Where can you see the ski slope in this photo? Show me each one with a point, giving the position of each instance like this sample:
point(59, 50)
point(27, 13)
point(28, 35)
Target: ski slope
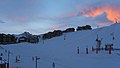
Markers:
point(64, 52)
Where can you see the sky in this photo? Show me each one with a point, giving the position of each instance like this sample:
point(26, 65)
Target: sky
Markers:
point(41, 16)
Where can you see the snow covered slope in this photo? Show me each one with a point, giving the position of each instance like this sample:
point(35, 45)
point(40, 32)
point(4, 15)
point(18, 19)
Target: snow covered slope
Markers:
point(64, 52)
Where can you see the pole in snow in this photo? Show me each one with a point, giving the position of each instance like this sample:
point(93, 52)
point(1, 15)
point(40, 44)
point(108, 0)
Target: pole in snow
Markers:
point(64, 36)
point(92, 49)
point(96, 50)
point(77, 50)
point(53, 65)
point(36, 59)
point(8, 59)
point(1, 57)
point(86, 50)
point(109, 50)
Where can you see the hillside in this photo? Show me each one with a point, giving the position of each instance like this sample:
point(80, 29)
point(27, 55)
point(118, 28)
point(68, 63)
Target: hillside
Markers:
point(64, 52)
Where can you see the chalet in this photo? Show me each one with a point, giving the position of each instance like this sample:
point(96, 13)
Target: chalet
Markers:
point(30, 39)
point(33, 39)
point(22, 39)
point(7, 39)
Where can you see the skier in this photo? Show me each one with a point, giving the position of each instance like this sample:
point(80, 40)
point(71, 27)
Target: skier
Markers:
point(53, 65)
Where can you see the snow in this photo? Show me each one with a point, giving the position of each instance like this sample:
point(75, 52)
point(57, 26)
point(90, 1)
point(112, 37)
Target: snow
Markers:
point(64, 52)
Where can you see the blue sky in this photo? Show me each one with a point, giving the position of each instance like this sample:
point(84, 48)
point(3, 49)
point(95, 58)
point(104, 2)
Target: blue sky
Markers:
point(40, 16)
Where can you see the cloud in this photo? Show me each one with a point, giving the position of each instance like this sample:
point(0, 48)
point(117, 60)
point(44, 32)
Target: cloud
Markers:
point(68, 15)
point(19, 18)
point(103, 23)
point(2, 21)
point(100, 13)
point(112, 12)
point(58, 25)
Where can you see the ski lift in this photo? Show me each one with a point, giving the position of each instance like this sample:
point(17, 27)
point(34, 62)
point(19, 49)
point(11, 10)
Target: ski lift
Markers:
point(108, 46)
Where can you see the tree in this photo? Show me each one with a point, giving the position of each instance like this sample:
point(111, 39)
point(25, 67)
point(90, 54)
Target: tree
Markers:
point(87, 27)
point(69, 30)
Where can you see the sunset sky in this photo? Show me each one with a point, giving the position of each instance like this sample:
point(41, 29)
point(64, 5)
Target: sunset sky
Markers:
point(40, 16)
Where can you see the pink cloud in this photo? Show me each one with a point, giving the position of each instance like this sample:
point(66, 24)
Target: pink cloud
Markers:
point(19, 18)
point(68, 15)
point(112, 12)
